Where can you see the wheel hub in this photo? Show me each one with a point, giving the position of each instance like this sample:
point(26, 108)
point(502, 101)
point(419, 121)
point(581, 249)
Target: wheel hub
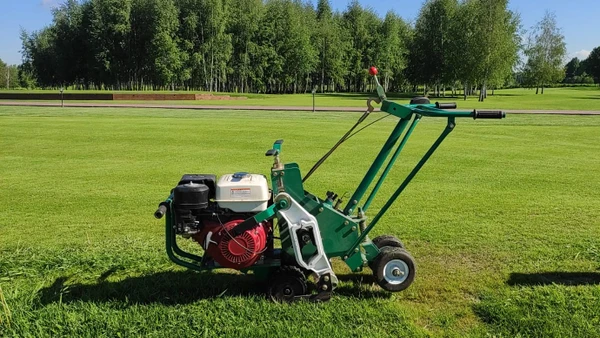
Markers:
point(395, 271)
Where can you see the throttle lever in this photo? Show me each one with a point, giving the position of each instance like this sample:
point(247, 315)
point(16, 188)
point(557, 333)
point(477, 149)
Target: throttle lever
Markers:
point(272, 152)
point(370, 107)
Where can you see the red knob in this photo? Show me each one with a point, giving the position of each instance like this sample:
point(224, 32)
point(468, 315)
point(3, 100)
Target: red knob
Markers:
point(373, 71)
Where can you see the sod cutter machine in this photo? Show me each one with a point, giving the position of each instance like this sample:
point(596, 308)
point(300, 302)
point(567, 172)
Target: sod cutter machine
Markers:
point(235, 218)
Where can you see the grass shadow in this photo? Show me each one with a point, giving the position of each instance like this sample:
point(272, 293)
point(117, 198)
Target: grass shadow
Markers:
point(548, 278)
point(168, 288)
point(360, 286)
point(184, 287)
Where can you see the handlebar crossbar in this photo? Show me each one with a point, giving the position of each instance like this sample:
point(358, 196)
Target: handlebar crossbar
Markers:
point(405, 111)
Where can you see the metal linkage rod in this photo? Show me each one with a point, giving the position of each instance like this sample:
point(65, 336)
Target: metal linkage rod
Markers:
point(377, 164)
point(173, 248)
point(411, 175)
point(391, 162)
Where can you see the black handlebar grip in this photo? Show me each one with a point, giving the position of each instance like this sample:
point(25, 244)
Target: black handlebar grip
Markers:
point(488, 114)
point(446, 105)
point(160, 212)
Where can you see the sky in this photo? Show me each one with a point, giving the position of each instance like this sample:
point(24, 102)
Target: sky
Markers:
point(576, 18)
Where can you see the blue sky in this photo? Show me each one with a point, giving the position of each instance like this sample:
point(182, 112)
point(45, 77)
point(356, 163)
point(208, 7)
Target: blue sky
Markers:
point(577, 18)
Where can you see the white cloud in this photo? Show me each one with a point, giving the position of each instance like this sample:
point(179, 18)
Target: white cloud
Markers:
point(50, 3)
point(581, 55)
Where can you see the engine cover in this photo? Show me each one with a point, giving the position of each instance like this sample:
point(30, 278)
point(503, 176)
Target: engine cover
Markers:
point(238, 252)
point(243, 192)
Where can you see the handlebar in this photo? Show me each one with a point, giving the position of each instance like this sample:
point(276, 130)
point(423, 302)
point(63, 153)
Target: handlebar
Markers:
point(488, 114)
point(424, 108)
point(160, 212)
point(437, 110)
point(447, 105)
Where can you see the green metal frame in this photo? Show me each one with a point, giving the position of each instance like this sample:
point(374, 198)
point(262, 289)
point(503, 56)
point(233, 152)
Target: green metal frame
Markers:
point(194, 262)
point(340, 229)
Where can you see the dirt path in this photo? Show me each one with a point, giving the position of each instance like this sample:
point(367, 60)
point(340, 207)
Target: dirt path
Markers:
point(263, 108)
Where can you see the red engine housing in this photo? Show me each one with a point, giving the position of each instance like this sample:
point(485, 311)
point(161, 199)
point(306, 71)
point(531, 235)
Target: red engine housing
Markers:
point(238, 252)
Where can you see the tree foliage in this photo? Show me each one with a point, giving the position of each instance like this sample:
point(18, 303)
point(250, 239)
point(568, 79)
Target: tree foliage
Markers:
point(576, 72)
point(546, 51)
point(331, 45)
point(9, 76)
point(572, 67)
point(429, 61)
point(393, 50)
point(474, 42)
point(269, 46)
point(498, 43)
point(593, 64)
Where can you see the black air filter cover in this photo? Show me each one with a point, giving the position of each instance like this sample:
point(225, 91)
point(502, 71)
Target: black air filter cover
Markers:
point(191, 196)
point(206, 179)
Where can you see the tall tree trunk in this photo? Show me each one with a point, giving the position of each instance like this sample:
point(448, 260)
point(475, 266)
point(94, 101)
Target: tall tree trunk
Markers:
point(323, 79)
point(205, 75)
point(212, 66)
point(465, 91)
point(537, 89)
point(542, 89)
point(323, 65)
point(482, 92)
point(386, 80)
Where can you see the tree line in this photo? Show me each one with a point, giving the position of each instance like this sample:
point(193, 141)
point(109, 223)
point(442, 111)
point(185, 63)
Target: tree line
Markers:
point(9, 76)
point(272, 46)
point(284, 46)
point(585, 71)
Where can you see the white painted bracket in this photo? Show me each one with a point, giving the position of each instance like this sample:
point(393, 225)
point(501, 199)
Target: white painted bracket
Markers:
point(298, 218)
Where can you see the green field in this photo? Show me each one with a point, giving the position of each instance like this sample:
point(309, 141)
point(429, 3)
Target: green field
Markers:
point(570, 98)
point(504, 223)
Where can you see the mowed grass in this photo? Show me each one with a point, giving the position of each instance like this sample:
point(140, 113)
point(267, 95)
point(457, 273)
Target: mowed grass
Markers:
point(504, 223)
point(568, 98)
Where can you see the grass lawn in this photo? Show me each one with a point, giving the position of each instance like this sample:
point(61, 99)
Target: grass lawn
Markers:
point(570, 98)
point(504, 223)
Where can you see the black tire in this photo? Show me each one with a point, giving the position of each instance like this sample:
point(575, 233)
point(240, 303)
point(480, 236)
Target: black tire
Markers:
point(420, 100)
point(391, 261)
point(387, 240)
point(383, 241)
point(286, 283)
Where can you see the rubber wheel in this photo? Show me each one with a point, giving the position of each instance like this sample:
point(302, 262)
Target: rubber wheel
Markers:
point(394, 269)
point(286, 283)
point(383, 241)
point(387, 240)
